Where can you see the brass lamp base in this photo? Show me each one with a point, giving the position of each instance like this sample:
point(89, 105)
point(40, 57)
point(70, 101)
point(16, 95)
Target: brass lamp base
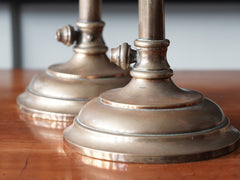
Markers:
point(127, 132)
point(60, 92)
point(150, 120)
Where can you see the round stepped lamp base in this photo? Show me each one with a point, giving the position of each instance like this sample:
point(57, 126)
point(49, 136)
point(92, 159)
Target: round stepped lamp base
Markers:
point(56, 98)
point(116, 144)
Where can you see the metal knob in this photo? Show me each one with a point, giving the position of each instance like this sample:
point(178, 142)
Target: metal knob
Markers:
point(67, 35)
point(123, 55)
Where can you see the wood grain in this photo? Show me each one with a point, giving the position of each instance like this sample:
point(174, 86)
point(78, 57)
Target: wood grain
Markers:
point(33, 149)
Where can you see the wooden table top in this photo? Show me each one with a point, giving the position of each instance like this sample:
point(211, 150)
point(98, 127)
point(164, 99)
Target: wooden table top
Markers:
point(33, 149)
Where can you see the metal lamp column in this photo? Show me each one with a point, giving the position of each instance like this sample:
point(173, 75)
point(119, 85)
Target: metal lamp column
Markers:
point(59, 92)
point(151, 120)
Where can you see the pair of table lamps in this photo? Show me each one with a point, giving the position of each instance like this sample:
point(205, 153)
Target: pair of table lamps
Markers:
point(149, 119)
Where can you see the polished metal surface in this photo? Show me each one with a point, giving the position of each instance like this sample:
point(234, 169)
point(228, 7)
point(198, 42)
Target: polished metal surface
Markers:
point(151, 26)
point(150, 120)
point(59, 92)
point(90, 10)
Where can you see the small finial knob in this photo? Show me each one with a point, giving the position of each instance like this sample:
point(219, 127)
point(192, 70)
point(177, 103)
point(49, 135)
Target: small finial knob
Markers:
point(67, 35)
point(123, 55)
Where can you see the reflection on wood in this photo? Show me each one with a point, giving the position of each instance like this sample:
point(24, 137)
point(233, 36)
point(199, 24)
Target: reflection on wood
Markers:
point(32, 149)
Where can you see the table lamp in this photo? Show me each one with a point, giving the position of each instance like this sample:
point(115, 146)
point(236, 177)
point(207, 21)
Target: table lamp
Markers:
point(59, 92)
point(150, 120)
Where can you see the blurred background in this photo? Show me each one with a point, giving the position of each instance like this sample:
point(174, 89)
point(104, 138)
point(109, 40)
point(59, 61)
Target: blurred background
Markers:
point(204, 34)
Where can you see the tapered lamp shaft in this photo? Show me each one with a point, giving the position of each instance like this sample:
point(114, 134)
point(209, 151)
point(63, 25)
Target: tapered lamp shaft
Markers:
point(90, 10)
point(151, 19)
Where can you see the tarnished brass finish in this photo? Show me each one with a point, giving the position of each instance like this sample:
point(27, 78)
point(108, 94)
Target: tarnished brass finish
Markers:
point(151, 20)
point(123, 56)
point(59, 92)
point(151, 120)
point(67, 35)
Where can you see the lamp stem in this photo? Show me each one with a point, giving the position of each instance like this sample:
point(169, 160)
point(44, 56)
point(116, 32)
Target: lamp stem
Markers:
point(90, 10)
point(151, 19)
